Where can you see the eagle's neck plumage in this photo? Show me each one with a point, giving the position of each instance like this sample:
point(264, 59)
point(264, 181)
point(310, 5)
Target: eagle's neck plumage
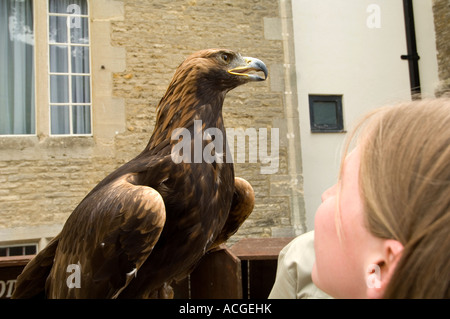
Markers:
point(187, 99)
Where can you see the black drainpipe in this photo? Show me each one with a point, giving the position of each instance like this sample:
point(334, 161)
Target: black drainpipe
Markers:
point(412, 56)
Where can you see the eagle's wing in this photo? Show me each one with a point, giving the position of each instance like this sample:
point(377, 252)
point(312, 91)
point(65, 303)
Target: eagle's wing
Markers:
point(241, 207)
point(121, 223)
point(31, 282)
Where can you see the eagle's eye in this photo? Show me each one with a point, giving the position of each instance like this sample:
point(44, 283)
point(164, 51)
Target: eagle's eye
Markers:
point(226, 58)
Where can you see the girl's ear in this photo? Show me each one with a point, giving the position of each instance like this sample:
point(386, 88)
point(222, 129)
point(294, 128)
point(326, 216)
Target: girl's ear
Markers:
point(380, 271)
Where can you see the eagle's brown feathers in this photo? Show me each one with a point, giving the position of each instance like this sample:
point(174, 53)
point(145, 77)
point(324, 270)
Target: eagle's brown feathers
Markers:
point(150, 221)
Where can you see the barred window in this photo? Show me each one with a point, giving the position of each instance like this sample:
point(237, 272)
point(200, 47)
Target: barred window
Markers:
point(69, 68)
point(18, 250)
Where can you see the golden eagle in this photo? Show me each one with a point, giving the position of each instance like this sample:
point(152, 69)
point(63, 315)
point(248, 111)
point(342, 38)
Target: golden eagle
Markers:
point(149, 222)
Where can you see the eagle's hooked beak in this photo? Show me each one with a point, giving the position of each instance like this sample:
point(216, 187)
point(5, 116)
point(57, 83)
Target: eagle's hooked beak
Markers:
point(251, 65)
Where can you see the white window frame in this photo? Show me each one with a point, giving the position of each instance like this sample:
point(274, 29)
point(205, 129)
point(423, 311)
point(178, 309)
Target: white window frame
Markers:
point(19, 245)
point(69, 74)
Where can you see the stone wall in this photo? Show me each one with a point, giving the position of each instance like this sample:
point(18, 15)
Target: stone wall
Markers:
point(441, 11)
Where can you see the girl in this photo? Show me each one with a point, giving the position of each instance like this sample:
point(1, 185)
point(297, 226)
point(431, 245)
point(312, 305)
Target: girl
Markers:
point(383, 231)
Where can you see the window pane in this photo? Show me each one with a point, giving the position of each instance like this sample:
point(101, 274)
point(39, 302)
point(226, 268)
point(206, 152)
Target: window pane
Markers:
point(60, 119)
point(58, 59)
point(57, 29)
point(80, 59)
point(81, 91)
point(59, 89)
point(81, 119)
point(72, 58)
point(79, 31)
point(68, 6)
point(17, 110)
point(3, 252)
point(325, 113)
point(30, 250)
point(16, 251)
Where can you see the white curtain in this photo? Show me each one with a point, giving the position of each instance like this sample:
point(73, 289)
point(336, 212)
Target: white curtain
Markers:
point(17, 111)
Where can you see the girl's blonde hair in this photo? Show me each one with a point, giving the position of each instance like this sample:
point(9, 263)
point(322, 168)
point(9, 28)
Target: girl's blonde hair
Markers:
point(405, 187)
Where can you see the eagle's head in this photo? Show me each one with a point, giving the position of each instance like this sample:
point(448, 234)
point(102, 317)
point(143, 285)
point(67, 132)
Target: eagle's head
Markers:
point(199, 86)
point(220, 70)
